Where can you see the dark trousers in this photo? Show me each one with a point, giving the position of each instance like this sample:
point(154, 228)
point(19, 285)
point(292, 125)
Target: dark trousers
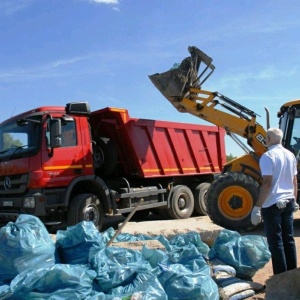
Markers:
point(279, 230)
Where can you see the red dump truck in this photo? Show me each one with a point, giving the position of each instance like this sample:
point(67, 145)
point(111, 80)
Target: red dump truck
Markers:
point(67, 164)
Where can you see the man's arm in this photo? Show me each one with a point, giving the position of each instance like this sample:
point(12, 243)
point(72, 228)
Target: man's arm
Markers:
point(264, 190)
point(295, 187)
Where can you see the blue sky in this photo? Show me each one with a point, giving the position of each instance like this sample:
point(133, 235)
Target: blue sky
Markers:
point(102, 51)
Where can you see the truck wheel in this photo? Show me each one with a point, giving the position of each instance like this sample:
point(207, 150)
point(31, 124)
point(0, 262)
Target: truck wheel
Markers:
point(86, 207)
point(108, 153)
point(182, 203)
point(230, 200)
point(200, 194)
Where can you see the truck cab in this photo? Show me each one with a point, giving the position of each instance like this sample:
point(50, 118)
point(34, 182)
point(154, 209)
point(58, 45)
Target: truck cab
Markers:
point(42, 151)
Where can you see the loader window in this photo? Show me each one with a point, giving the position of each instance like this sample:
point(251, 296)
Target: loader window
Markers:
point(295, 136)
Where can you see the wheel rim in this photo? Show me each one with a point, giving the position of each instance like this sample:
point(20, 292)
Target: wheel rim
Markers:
point(182, 202)
point(234, 202)
point(91, 214)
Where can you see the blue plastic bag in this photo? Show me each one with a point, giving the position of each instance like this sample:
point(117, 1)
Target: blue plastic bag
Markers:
point(124, 237)
point(155, 256)
point(128, 237)
point(24, 244)
point(190, 281)
point(145, 285)
point(192, 237)
point(5, 292)
point(60, 281)
point(247, 254)
point(116, 266)
point(184, 247)
point(182, 255)
point(74, 244)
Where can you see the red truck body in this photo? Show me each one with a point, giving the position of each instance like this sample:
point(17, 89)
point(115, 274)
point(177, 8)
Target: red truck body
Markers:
point(65, 164)
point(151, 148)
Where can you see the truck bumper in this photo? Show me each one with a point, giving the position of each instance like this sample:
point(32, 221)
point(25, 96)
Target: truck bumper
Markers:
point(12, 207)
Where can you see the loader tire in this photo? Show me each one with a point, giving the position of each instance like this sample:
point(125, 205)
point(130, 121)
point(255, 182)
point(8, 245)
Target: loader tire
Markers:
point(230, 200)
point(86, 207)
point(182, 203)
point(200, 194)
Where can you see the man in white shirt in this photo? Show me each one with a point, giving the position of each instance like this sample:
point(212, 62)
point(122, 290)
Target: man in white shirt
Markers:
point(277, 201)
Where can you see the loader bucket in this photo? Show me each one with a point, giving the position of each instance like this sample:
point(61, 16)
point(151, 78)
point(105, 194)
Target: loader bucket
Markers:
point(175, 83)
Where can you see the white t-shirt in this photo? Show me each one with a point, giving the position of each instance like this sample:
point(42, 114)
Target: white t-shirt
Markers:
point(281, 164)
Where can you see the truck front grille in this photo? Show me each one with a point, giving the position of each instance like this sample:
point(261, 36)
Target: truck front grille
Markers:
point(13, 184)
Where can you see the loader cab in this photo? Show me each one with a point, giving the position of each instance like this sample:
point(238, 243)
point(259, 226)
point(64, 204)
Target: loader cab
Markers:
point(289, 123)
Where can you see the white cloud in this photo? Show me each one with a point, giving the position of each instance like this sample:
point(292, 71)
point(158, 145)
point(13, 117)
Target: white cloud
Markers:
point(10, 7)
point(105, 1)
point(113, 3)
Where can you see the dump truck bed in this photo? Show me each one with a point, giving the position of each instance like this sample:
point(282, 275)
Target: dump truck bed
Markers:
point(152, 148)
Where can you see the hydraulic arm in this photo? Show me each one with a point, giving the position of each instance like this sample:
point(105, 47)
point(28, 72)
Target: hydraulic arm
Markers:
point(182, 87)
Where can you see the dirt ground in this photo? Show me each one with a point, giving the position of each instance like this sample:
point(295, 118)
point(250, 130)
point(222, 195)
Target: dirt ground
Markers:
point(264, 274)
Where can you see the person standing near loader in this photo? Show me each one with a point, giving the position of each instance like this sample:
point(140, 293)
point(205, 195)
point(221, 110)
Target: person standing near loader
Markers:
point(277, 202)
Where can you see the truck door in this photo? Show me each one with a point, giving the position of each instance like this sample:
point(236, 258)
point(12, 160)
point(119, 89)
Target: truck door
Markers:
point(61, 165)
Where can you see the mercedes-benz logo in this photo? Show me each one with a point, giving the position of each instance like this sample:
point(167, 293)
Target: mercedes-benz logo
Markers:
point(7, 183)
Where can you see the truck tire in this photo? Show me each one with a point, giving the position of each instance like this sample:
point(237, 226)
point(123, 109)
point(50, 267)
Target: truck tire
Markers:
point(230, 200)
point(108, 152)
point(200, 194)
point(182, 203)
point(85, 207)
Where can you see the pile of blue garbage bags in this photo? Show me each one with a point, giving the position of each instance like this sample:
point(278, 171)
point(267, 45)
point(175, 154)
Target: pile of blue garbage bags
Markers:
point(80, 265)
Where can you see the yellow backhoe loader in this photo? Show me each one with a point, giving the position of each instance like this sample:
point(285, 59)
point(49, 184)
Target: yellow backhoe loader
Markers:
point(231, 197)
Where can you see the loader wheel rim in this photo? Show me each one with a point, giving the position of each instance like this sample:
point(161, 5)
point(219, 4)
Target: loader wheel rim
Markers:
point(235, 202)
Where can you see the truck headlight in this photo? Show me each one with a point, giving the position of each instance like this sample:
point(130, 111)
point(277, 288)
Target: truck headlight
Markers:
point(29, 202)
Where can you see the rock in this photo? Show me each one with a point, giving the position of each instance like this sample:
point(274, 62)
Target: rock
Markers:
point(284, 286)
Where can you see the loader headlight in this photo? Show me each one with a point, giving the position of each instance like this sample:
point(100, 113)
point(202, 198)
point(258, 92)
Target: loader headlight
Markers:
point(29, 202)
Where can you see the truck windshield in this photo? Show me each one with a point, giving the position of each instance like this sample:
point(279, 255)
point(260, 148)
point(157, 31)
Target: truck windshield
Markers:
point(20, 138)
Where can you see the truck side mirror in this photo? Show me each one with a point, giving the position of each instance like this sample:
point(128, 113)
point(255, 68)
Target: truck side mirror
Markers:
point(55, 133)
